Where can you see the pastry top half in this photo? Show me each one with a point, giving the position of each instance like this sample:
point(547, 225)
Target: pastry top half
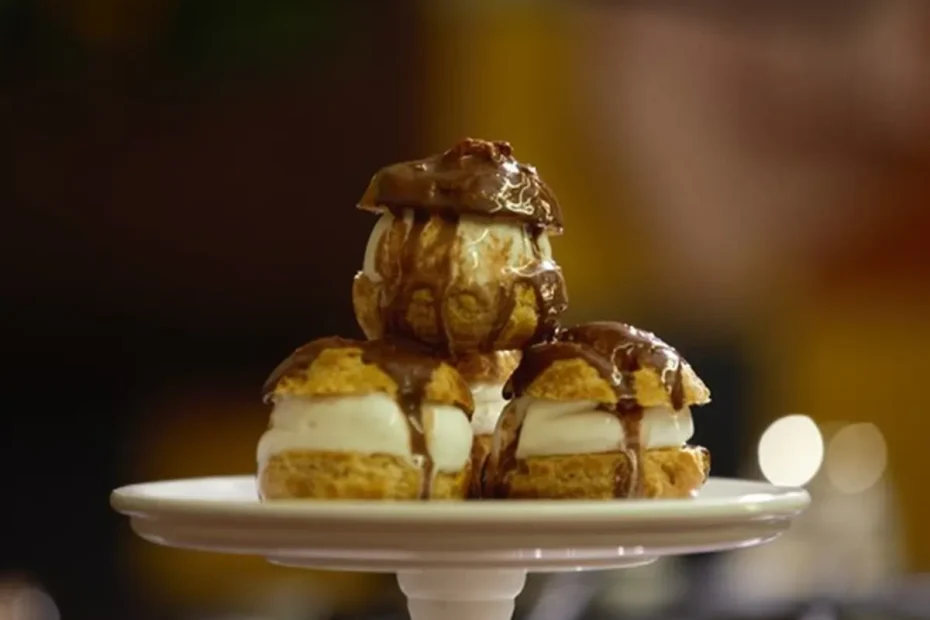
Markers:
point(339, 367)
point(608, 362)
point(474, 177)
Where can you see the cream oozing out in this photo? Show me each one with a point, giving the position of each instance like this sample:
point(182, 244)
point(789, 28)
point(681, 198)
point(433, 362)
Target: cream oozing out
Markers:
point(368, 424)
point(489, 403)
point(551, 428)
point(483, 246)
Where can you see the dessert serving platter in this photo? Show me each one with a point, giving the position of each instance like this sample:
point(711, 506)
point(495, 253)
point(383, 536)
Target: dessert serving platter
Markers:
point(456, 559)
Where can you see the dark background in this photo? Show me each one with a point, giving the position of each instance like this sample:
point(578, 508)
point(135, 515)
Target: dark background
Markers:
point(177, 182)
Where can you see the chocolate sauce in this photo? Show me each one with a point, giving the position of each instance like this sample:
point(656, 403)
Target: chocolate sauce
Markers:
point(421, 266)
point(544, 276)
point(408, 364)
point(474, 176)
point(616, 351)
point(506, 463)
point(631, 419)
point(510, 425)
point(425, 262)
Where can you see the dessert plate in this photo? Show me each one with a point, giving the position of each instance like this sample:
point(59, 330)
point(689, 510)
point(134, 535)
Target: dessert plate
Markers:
point(456, 559)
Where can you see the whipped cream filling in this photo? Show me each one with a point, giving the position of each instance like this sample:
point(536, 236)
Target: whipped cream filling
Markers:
point(489, 403)
point(369, 424)
point(553, 428)
point(483, 247)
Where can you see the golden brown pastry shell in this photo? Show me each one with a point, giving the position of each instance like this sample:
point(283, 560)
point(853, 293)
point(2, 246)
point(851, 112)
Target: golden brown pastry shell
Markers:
point(576, 379)
point(344, 372)
point(464, 321)
point(494, 368)
point(668, 473)
point(305, 474)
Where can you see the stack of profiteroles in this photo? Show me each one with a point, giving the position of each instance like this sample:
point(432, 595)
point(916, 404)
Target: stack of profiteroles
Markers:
point(467, 386)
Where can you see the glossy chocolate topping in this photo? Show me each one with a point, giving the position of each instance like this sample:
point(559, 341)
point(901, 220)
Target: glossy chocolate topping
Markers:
point(616, 351)
point(474, 177)
point(407, 364)
point(414, 265)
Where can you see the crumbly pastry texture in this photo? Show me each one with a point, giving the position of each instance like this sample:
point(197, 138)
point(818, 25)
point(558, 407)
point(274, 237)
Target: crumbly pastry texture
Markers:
point(343, 371)
point(668, 473)
point(299, 474)
point(576, 379)
point(464, 320)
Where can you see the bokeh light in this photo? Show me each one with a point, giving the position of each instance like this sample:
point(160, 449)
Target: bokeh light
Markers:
point(22, 600)
point(856, 458)
point(791, 451)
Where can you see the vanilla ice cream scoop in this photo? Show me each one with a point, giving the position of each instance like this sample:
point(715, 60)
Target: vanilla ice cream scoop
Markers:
point(460, 257)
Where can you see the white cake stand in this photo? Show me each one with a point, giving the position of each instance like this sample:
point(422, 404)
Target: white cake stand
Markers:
point(456, 560)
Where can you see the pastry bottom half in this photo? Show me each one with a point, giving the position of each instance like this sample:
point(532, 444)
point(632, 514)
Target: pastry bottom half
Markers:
point(304, 474)
point(667, 473)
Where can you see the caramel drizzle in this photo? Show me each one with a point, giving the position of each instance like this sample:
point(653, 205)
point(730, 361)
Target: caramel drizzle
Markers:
point(617, 351)
point(406, 364)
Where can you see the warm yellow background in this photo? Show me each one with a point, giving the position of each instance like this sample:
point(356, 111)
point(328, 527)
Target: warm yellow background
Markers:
point(851, 353)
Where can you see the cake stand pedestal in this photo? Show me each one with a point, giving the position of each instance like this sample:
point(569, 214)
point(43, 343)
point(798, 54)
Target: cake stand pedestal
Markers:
point(456, 560)
point(461, 594)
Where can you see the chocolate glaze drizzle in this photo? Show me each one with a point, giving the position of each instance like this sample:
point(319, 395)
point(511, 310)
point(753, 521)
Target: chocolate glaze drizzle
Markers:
point(406, 363)
point(474, 176)
point(423, 261)
point(616, 351)
point(420, 266)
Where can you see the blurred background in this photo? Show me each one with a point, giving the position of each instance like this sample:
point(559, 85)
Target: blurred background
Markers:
point(177, 184)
